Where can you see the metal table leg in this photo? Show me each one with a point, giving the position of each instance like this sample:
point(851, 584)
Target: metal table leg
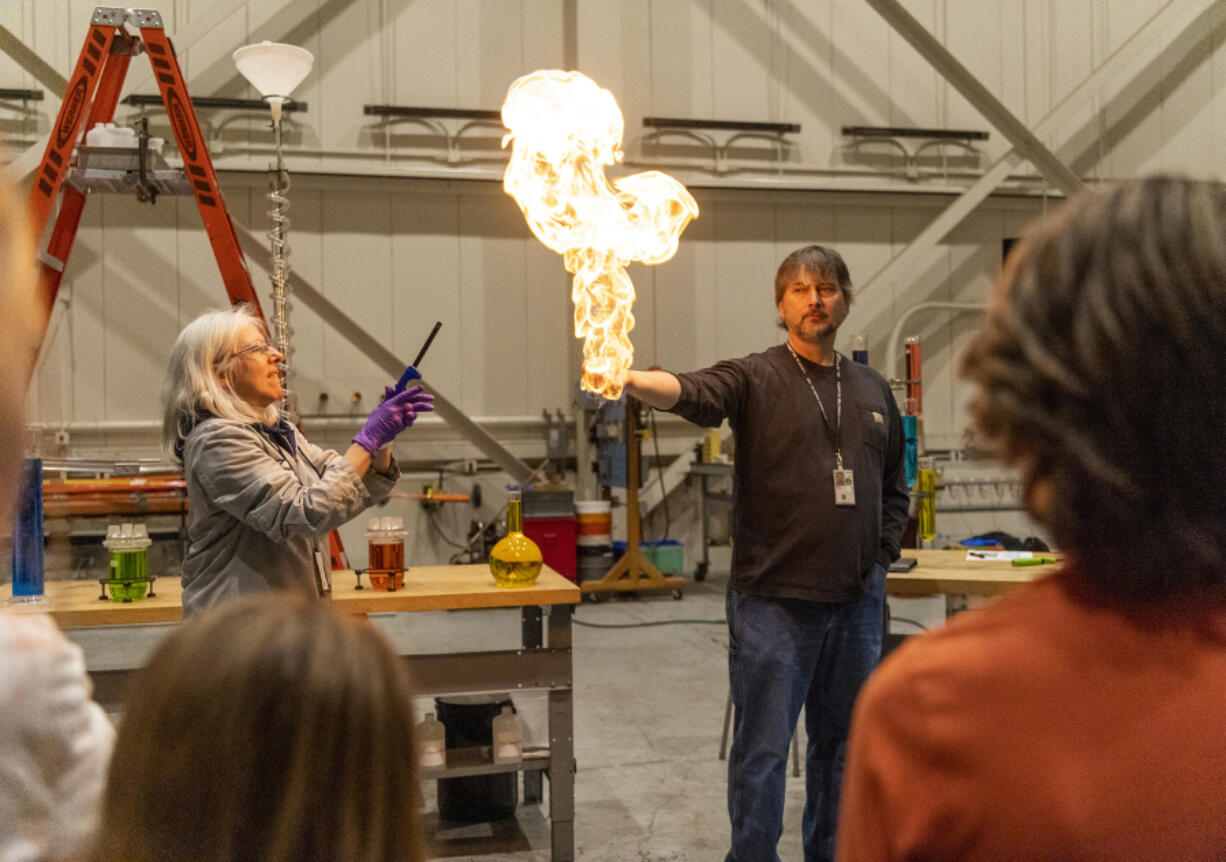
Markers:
point(561, 745)
point(532, 639)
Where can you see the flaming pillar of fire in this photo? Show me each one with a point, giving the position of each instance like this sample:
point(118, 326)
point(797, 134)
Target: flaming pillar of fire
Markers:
point(564, 131)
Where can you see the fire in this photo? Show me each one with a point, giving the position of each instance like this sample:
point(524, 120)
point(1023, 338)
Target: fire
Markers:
point(564, 131)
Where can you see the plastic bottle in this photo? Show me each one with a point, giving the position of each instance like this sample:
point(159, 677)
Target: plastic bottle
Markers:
point(508, 740)
point(431, 742)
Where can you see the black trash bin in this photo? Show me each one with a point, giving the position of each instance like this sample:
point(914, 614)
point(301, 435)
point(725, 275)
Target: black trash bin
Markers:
point(469, 722)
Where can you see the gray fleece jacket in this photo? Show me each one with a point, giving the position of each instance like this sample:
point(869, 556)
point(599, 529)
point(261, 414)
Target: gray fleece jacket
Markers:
point(258, 516)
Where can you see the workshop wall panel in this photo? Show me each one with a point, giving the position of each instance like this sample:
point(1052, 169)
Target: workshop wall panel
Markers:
point(426, 286)
point(402, 247)
point(493, 309)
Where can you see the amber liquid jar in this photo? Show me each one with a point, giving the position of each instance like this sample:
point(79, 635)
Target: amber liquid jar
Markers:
point(386, 556)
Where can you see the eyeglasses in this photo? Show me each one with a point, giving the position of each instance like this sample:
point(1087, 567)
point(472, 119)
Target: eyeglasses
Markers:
point(261, 347)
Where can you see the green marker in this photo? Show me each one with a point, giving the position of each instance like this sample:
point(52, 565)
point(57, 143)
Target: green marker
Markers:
point(1034, 561)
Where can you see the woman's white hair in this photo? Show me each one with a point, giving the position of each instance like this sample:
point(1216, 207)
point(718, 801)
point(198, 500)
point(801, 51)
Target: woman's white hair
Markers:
point(198, 377)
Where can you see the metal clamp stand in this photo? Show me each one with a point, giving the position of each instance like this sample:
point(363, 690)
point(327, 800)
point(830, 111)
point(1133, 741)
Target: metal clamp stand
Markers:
point(633, 571)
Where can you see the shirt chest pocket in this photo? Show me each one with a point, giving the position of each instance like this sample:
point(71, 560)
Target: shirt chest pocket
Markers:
point(873, 419)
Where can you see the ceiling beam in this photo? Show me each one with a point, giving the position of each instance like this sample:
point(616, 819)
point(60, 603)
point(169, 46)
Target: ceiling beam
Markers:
point(388, 362)
point(1132, 62)
point(30, 60)
point(1024, 141)
point(187, 36)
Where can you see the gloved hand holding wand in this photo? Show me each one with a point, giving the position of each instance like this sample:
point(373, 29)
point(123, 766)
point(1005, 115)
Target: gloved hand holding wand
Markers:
point(397, 412)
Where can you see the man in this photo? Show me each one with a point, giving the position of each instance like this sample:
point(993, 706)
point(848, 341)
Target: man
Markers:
point(1081, 717)
point(821, 502)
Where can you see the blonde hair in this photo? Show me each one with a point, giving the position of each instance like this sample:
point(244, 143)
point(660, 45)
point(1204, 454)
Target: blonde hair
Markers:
point(19, 307)
point(197, 377)
point(270, 728)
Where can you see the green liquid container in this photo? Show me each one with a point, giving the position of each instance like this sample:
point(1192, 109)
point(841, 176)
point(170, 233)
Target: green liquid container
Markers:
point(516, 560)
point(128, 572)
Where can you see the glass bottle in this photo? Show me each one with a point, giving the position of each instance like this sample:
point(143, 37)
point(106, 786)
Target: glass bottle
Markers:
point(28, 537)
point(128, 564)
point(914, 365)
point(925, 489)
point(859, 349)
point(516, 560)
point(385, 553)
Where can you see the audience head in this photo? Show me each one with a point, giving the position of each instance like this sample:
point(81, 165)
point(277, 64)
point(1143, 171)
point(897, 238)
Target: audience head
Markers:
point(269, 729)
point(1101, 372)
point(20, 311)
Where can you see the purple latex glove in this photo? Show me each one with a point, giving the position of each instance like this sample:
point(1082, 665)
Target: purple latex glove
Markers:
point(397, 412)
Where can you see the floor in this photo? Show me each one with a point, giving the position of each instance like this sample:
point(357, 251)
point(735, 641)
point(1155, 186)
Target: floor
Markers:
point(650, 688)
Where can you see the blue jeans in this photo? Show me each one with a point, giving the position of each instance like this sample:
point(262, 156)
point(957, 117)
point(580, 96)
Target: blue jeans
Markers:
point(784, 654)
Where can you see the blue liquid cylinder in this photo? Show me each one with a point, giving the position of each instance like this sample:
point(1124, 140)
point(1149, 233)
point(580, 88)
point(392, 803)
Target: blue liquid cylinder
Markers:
point(859, 349)
point(28, 533)
point(911, 460)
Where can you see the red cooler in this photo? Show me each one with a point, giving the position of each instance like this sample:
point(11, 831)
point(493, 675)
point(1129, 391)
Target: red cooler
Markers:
point(550, 522)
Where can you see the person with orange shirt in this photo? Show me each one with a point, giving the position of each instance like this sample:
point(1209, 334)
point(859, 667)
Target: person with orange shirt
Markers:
point(1081, 717)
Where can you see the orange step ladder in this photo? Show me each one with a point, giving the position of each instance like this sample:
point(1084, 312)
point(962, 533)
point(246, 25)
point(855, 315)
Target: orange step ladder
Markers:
point(91, 97)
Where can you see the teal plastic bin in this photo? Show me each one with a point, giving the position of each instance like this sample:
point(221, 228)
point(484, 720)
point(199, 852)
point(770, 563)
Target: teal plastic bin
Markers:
point(668, 555)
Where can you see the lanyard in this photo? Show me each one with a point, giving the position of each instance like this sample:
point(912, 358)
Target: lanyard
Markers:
point(838, 390)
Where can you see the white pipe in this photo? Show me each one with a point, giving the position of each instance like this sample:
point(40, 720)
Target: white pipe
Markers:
point(891, 356)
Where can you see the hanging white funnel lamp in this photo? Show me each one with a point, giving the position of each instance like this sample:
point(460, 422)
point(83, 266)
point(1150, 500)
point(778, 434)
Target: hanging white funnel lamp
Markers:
point(275, 69)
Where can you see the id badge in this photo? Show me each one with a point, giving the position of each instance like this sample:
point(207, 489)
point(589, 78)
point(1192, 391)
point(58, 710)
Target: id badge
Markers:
point(844, 488)
point(323, 574)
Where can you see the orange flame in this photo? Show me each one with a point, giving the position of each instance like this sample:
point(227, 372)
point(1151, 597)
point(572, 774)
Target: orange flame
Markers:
point(565, 130)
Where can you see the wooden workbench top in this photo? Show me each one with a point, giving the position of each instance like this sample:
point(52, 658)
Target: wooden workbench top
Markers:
point(426, 588)
point(952, 573)
point(432, 588)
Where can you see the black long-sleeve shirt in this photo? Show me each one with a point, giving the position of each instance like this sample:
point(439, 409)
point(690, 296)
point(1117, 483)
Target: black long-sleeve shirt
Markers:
point(789, 538)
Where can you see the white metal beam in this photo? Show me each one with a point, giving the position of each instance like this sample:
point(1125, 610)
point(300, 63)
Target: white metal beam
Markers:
point(1023, 140)
point(392, 365)
point(1190, 19)
point(20, 168)
point(30, 60)
point(287, 18)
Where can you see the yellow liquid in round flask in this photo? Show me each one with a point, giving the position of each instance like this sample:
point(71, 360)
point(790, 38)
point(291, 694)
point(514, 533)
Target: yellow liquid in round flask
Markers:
point(516, 560)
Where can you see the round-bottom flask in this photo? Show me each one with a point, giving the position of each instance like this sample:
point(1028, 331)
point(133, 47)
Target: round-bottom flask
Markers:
point(516, 560)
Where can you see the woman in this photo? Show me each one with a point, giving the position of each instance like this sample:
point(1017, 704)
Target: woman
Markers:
point(261, 498)
point(270, 730)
